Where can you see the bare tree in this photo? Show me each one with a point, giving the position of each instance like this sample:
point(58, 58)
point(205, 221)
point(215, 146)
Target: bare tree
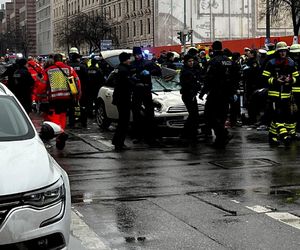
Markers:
point(83, 28)
point(289, 6)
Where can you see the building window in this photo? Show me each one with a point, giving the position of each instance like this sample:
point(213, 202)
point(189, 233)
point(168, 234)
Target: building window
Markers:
point(141, 4)
point(127, 28)
point(127, 6)
point(115, 11)
point(134, 28)
point(141, 27)
point(120, 10)
point(133, 6)
point(148, 26)
point(148, 3)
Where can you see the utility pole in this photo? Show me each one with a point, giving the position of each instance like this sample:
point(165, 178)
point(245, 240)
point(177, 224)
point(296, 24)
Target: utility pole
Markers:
point(267, 21)
point(191, 13)
point(184, 28)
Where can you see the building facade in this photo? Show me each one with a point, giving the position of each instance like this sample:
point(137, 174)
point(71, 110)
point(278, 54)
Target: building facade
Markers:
point(44, 28)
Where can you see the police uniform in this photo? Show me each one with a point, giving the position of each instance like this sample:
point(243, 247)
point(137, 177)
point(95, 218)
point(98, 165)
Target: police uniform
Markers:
point(219, 88)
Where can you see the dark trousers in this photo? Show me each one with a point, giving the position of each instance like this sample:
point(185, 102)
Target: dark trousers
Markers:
point(216, 110)
point(190, 129)
point(143, 114)
point(82, 115)
point(123, 124)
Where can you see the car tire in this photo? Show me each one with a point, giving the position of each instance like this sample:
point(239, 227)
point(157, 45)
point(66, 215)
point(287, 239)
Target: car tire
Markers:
point(101, 117)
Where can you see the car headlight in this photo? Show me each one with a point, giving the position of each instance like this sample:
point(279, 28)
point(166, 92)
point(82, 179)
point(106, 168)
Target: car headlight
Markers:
point(157, 106)
point(46, 196)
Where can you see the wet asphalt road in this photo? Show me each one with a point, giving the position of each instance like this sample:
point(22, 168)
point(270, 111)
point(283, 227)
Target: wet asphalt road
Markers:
point(184, 197)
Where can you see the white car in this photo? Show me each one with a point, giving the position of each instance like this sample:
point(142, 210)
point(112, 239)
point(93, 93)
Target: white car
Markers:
point(169, 109)
point(35, 201)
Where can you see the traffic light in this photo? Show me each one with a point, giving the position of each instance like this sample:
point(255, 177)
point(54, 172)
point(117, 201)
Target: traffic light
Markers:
point(180, 36)
point(189, 35)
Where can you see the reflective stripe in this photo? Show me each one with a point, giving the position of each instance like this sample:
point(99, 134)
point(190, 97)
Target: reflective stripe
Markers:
point(266, 73)
point(273, 93)
point(295, 74)
point(296, 89)
point(271, 79)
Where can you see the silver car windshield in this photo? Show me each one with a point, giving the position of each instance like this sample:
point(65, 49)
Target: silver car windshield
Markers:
point(14, 125)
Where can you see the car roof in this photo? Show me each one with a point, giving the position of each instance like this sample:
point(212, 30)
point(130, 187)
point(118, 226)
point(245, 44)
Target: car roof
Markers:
point(115, 52)
point(4, 90)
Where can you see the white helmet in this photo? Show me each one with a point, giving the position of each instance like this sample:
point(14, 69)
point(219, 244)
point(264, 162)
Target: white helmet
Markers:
point(74, 50)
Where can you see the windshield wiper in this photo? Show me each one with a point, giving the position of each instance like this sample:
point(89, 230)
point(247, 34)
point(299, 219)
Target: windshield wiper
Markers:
point(164, 87)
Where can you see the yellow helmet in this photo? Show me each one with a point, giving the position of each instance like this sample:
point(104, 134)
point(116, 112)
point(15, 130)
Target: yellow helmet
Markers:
point(295, 48)
point(281, 46)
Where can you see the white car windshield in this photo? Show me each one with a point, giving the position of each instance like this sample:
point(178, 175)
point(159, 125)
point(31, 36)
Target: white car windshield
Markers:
point(14, 125)
point(160, 84)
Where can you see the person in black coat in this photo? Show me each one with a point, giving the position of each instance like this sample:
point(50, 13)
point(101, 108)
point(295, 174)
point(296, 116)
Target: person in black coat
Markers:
point(23, 85)
point(142, 71)
point(122, 99)
point(95, 82)
point(219, 89)
point(190, 86)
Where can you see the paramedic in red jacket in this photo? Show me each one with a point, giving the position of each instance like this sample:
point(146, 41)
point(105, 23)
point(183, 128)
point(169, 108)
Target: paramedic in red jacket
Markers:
point(55, 97)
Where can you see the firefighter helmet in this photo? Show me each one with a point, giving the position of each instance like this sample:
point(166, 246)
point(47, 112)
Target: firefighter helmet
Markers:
point(295, 48)
point(74, 50)
point(281, 46)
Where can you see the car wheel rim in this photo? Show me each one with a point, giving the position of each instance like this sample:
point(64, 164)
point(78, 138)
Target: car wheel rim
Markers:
point(100, 115)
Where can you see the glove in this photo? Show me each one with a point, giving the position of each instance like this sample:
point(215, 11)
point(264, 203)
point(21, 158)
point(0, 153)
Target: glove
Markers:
point(34, 106)
point(235, 98)
point(145, 73)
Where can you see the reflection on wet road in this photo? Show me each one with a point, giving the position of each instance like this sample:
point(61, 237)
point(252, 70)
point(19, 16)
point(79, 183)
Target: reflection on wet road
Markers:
point(178, 197)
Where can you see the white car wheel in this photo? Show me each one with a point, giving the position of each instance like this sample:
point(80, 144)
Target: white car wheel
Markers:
point(101, 117)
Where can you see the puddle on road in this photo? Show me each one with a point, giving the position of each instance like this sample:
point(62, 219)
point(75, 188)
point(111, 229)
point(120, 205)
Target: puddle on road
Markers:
point(287, 196)
point(245, 163)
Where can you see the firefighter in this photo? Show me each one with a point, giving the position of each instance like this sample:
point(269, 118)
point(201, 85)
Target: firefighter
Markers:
point(95, 82)
point(295, 55)
point(82, 72)
point(219, 89)
point(281, 75)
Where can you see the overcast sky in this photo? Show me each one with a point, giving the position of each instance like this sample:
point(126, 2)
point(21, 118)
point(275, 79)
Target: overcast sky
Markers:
point(3, 1)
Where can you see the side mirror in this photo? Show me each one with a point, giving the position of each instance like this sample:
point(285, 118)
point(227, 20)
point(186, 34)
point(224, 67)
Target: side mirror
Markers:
point(49, 130)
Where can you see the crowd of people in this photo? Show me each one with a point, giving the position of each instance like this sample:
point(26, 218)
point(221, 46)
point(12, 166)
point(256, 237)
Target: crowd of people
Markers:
point(264, 82)
point(259, 88)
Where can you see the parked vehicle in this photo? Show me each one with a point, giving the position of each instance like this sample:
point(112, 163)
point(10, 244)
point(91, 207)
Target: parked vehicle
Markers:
point(170, 111)
point(35, 201)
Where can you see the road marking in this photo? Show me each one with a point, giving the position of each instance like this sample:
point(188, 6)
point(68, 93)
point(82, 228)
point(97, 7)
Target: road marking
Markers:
point(286, 218)
point(89, 239)
point(106, 143)
point(235, 201)
point(259, 209)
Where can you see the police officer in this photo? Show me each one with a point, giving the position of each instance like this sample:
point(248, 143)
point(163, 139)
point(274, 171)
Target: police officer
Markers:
point(81, 70)
point(190, 86)
point(251, 76)
point(23, 84)
point(142, 70)
point(281, 74)
point(218, 87)
point(122, 99)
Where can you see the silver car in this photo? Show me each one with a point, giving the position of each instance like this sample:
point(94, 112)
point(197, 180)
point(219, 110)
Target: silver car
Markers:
point(35, 203)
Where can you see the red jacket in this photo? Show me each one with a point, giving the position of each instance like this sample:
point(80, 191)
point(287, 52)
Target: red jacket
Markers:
point(36, 72)
point(47, 91)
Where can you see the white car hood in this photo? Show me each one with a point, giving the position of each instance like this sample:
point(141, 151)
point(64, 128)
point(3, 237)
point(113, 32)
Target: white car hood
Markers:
point(25, 166)
point(169, 99)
